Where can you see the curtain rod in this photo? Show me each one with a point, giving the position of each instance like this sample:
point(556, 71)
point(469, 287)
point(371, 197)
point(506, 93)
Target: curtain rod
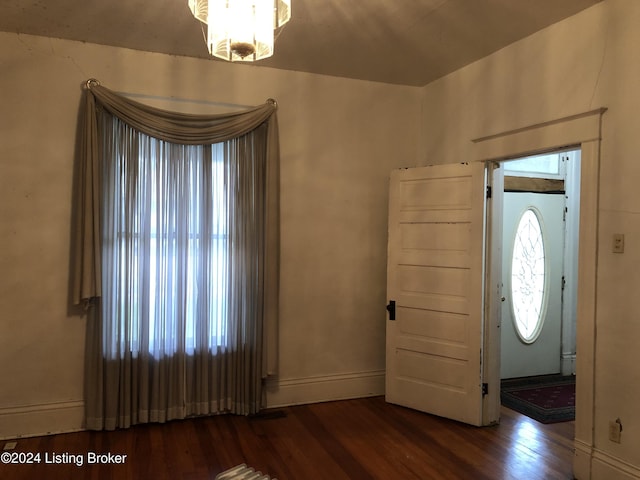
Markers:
point(183, 100)
point(92, 81)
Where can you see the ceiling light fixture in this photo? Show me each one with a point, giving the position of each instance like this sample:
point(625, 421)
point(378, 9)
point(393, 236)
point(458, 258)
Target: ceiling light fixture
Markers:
point(241, 30)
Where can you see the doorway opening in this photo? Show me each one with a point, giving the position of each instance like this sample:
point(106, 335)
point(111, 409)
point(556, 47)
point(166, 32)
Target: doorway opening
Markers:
point(540, 236)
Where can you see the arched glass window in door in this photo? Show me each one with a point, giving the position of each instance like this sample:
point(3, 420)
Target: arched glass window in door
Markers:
point(528, 272)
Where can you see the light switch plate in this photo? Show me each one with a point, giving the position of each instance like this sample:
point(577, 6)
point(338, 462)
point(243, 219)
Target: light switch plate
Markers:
point(618, 243)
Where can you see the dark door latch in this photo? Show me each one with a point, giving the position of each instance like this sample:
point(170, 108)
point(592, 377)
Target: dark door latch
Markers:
point(391, 308)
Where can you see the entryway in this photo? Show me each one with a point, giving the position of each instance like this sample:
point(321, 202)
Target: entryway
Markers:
point(539, 273)
point(539, 264)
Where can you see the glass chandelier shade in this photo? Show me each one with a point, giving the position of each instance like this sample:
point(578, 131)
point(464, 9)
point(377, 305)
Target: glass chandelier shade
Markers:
point(241, 30)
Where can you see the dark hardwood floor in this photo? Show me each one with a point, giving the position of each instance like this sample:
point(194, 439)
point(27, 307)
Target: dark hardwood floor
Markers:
point(353, 439)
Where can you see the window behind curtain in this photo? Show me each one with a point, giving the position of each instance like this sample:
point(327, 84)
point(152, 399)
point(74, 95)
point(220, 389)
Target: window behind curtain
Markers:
point(165, 246)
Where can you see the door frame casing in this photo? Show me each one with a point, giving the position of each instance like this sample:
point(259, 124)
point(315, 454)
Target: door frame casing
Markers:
point(583, 131)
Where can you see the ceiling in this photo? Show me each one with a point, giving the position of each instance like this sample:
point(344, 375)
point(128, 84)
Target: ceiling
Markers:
point(408, 42)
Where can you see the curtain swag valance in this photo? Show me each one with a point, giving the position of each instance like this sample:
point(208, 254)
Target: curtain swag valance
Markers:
point(184, 128)
point(174, 127)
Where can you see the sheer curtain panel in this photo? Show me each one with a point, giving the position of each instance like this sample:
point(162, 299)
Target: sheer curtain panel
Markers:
point(176, 259)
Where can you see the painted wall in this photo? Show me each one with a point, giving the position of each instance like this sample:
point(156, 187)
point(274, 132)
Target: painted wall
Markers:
point(588, 61)
point(339, 140)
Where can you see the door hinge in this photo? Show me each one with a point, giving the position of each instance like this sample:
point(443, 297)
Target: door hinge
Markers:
point(485, 389)
point(391, 308)
point(488, 191)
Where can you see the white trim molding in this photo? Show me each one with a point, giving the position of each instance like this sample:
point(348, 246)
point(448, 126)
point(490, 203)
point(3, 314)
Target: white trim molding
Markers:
point(612, 468)
point(590, 462)
point(568, 364)
point(43, 419)
point(324, 388)
point(541, 137)
point(583, 130)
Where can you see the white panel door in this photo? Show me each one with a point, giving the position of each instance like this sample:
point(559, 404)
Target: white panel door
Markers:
point(435, 281)
point(542, 356)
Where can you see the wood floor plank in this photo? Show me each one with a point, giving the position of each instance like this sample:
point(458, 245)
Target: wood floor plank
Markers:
point(362, 439)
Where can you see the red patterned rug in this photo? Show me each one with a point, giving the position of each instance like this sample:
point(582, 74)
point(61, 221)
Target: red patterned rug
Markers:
point(547, 399)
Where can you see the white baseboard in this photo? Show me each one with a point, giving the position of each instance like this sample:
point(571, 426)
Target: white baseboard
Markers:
point(43, 419)
point(324, 388)
point(64, 417)
point(568, 364)
point(608, 467)
point(582, 460)
point(593, 464)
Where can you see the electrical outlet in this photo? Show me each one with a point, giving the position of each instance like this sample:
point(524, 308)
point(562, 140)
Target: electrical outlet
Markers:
point(10, 445)
point(615, 430)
